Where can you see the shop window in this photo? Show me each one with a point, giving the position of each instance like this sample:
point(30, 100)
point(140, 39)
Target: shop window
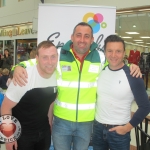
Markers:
point(2, 3)
point(24, 48)
point(9, 44)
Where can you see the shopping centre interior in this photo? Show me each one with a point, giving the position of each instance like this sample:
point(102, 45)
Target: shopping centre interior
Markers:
point(132, 24)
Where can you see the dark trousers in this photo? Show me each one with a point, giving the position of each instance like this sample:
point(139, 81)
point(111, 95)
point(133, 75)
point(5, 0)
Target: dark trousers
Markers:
point(39, 141)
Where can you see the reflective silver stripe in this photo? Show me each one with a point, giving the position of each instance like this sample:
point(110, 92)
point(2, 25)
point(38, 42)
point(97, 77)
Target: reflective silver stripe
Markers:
point(73, 106)
point(58, 63)
point(75, 84)
point(102, 59)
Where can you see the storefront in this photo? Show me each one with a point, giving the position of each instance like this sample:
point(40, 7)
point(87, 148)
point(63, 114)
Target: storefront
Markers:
point(19, 40)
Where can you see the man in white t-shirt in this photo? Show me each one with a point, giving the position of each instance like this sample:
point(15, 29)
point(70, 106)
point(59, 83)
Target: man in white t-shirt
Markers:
point(32, 104)
point(115, 93)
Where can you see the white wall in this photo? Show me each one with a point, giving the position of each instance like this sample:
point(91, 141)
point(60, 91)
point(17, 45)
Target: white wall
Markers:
point(118, 3)
point(17, 12)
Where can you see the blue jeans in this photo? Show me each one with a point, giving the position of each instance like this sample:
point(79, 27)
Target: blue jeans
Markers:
point(103, 139)
point(66, 134)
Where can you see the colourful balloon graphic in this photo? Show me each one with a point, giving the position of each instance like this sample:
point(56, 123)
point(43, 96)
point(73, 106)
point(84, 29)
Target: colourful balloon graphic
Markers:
point(95, 26)
point(95, 20)
point(98, 18)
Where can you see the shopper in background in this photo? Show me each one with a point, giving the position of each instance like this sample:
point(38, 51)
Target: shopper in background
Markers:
point(32, 104)
point(4, 78)
point(7, 60)
point(79, 67)
point(115, 93)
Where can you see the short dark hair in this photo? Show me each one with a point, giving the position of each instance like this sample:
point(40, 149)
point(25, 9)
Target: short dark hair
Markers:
point(113, 38)
point(6, 49)
point(83, 24)
point(44, 44)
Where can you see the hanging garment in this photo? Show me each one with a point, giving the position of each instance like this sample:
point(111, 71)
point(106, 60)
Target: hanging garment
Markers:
point(134, 57)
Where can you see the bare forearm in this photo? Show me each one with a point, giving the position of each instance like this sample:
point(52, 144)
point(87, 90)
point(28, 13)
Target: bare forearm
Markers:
point(7, 105)
point(6, 111)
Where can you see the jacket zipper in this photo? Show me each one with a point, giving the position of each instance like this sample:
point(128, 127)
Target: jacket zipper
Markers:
point(80, 71)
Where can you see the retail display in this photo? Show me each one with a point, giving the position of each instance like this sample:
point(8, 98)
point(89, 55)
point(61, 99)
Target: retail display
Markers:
point(134, 56)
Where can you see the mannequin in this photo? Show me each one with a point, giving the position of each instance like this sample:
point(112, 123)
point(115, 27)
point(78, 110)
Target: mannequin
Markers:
point(144, 65)
point(134, 56)
point(145, 54)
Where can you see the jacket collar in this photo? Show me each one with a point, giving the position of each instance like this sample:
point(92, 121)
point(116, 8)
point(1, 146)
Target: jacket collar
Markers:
point(67, 46)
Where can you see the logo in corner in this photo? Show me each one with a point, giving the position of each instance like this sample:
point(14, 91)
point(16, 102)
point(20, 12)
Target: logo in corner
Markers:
point(10, 128)
point(95, 20)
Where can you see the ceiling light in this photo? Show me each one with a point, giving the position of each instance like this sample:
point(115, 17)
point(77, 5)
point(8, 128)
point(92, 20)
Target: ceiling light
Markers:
point(126, 37)
point(147, 43)
point(134, 26)
point(145, 37)
point(6, 27)
point(17, 25)
point(119, 26)
point(124, 12)
point(22, 24)
point(144, 9)
point(137, 40)
point(132, 32)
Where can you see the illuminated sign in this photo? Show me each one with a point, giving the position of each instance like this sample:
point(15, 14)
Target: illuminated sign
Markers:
point(16, 31)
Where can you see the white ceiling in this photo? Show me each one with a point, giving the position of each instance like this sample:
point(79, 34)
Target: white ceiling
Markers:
point(126, 22)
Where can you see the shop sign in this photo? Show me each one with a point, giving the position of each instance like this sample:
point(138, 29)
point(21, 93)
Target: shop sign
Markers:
point(16, 31)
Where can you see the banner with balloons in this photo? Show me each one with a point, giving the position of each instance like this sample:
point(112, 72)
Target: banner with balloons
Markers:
point(56, 22)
